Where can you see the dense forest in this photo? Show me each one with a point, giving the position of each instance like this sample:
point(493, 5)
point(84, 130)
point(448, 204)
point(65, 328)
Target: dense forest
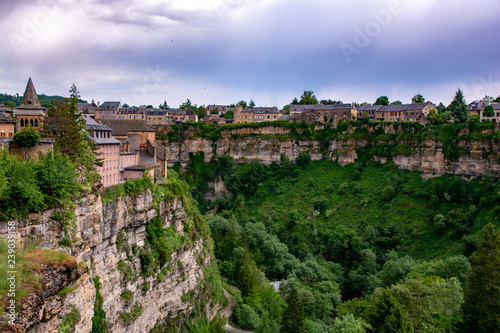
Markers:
point(365, 247)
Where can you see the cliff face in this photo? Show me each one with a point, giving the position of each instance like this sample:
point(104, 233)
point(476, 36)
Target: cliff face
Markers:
point(266, 144)
point(109, 238)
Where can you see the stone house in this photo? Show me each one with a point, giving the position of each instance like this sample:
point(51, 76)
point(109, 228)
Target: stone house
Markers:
point(86, 109)
point(255, 114)
point(133, 113)
point(220, 109)
point(403, 112)
point(319, 113)
point(108, 110)
point(30, 113)
point(367, 110)
point(477, 107)
point(170, 116)
point(7, 125)
point(134, 132)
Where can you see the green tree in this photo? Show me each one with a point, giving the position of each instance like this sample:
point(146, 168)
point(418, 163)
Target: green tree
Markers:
point(418, 98)
point(481, 310)
point(387, 314)
point(247, 318)
point(65, 122)
point(293, 317)
point(398, 102)
point(296, 101)
point(56, 178)
point(26, 139)
point(251, 104)
point(349, 324)
point(164, 106)
point(308, 97)
point(330, 102)
point(458, 107)
point(382, 100)
point(489, 111)
point(242, 103)
point(19, 192)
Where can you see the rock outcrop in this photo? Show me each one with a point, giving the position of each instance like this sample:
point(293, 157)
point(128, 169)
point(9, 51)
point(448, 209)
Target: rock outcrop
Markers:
point(108, 239)
point(266, 144)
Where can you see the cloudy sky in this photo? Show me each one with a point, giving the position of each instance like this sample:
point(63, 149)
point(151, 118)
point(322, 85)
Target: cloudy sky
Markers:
point(223, 51)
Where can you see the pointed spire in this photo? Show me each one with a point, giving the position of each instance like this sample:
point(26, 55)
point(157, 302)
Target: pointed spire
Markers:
point(30, 98)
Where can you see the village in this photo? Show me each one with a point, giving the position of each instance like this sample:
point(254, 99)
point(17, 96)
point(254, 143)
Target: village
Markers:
point(125, 136)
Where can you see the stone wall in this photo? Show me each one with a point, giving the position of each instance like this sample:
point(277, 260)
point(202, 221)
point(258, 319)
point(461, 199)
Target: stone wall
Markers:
point(98, 226)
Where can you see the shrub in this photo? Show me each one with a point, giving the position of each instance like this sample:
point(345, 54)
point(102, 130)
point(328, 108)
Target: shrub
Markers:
point(247, 317)
point(68, 323)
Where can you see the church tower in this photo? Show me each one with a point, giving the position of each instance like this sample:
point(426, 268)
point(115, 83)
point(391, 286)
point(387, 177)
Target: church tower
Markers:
point(30, 113)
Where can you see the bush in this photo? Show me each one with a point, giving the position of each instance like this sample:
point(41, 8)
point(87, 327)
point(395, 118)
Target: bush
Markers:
point(247, 317)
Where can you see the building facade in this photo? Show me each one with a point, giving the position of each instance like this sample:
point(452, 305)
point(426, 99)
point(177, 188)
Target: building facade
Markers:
point(108, 110)
point(108, 151)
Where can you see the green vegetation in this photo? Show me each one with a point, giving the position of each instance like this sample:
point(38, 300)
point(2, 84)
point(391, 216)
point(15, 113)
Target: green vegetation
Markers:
point(29, 186)
point(482, 295)
point(129, 187)
point(29, 263)
point(134, 313)
point(46, 101)
point(99, 323)
point(366, 246)
point(27, 139)
point(68, 323)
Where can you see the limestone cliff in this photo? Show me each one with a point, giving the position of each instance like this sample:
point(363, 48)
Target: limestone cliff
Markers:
point(476, 157)
point(110, 237)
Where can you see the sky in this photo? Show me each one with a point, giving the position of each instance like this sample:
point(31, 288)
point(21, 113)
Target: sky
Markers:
point(143, 52)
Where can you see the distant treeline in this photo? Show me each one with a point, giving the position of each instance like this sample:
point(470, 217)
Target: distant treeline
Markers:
point(15, 100)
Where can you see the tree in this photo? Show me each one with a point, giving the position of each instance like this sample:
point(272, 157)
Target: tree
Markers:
point(308, 97)
point(26, 139)
point(481, 309)
point(251, 104)
point(387, 314)
point(95, 105)
point(497, 100)
point(458, 107)
point(186, 105)
point(295, 101)
point(242, 103)
point(418, 98)
point(489, 111)
point(330, 102)
point(382, 100)
point(125, 105)
point(10, 104)
point(487, 99)
point(164, 106)
point(74, 93)
point(398, 102)
point(149, 106)
point(293, 317)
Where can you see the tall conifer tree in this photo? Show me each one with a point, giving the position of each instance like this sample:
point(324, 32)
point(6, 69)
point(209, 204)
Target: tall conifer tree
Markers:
point(482, 294)
point(293, 318)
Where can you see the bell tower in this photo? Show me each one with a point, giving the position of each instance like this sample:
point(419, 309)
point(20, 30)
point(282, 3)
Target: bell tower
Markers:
point(30, 113)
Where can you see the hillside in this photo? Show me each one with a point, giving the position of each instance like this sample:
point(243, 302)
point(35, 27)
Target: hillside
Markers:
point(45, 101)
point(338, 233)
